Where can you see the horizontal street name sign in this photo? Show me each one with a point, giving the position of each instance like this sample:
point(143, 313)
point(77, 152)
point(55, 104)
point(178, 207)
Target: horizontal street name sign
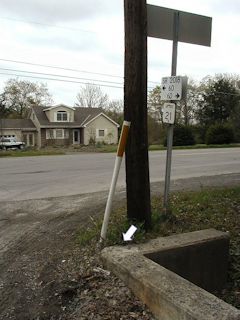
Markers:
point(193, 28)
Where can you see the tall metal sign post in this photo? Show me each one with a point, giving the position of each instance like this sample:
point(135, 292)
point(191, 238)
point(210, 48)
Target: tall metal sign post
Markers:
point(177, 26)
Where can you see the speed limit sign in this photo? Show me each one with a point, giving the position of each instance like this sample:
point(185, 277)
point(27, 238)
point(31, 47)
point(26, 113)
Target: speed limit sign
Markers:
point(169, 113)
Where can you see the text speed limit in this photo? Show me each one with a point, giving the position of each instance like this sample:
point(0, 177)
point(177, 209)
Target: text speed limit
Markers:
point(169, 113)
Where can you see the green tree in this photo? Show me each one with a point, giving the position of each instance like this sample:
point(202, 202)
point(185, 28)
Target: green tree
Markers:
point(155, 123)
point(4, 111)
point(155, 104)
point(235, 114)
point(156, 132)
point(183, 136)
point(235, 122)
point(218, 100)
point(19, 95)
point(219, 134)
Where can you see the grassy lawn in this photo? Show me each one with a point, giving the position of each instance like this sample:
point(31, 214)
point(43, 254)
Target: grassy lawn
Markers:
point(29, 153)
point(157, 147)
point(99, 148)
point(210, 208)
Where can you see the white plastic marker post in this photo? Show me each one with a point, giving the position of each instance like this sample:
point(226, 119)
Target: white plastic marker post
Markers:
point(118, 161)
point(128, 235)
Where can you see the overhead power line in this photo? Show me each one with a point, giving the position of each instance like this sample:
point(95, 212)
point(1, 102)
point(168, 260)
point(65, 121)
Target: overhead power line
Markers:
point(58, 75)
point(60, 68)
point(103, 83)
point(67, 69)
point(60, 80)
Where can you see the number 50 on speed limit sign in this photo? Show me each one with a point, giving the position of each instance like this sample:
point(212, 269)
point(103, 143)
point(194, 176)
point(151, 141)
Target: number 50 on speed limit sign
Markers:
point(169, 113)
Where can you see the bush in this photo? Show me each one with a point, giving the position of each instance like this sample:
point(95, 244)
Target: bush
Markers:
point(154, 131)
point(183, 136)
point(219, 134)
point(199, 133)
point(92, 141)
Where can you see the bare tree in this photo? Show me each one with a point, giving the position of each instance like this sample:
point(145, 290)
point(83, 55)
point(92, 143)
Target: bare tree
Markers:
point(91, 96)
point(187, 108)
point(115, 111)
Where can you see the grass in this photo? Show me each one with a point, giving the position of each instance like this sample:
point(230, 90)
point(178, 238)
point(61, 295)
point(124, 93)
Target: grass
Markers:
point(157, 147)
point(29, 153)
point(98, 148)
point(209, 208)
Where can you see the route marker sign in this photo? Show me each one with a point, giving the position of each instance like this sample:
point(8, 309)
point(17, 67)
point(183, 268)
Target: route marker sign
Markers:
point(171, 88)
point(169, 112)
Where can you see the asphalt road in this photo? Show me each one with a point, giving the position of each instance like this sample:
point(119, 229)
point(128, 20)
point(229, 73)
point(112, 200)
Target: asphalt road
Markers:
point(54, 176)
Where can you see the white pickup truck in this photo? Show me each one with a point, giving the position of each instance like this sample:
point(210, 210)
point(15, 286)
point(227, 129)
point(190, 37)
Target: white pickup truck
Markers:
point(11, 143)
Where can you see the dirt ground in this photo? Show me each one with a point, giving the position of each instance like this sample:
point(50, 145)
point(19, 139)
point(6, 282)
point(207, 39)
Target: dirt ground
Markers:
point(45, 275)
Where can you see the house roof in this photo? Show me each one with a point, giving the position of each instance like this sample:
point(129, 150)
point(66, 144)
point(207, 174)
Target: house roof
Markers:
point(40, 114)
point(59, 105)
point(85, 115)
point(82, 116)
point(17, 124)
point(90, 119)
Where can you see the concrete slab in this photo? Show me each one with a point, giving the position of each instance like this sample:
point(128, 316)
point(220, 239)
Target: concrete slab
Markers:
point(168, 295)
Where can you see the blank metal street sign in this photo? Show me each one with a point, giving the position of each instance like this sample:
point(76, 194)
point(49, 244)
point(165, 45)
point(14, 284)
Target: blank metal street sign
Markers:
point(193, 28)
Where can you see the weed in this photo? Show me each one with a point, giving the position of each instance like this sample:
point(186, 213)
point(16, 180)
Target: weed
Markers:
point(208, 208)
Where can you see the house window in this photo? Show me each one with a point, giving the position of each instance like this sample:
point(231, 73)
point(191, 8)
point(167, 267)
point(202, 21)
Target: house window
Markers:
point(62, 116)
point(57, 134)
point(9, 136)
point(101, 133)
point(50, 134)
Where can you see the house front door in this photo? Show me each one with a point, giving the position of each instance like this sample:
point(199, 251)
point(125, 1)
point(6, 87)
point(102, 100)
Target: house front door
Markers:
point(76, 136)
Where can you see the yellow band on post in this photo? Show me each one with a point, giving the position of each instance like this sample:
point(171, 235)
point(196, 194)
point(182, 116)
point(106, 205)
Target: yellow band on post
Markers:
point(123, 138)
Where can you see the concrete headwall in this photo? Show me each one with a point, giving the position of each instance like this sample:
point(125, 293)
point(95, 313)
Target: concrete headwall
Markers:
point(195, 256)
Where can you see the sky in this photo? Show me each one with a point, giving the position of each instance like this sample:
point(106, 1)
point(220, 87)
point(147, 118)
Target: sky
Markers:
point(66, 44)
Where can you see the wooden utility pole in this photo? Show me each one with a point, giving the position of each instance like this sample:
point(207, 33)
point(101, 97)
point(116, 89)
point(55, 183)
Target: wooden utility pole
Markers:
point(135, 111)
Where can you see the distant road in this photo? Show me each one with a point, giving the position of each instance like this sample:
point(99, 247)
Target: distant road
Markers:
point(53, 176)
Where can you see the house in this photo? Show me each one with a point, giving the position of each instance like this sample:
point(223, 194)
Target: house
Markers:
point(62, 125)
point(21, 129)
